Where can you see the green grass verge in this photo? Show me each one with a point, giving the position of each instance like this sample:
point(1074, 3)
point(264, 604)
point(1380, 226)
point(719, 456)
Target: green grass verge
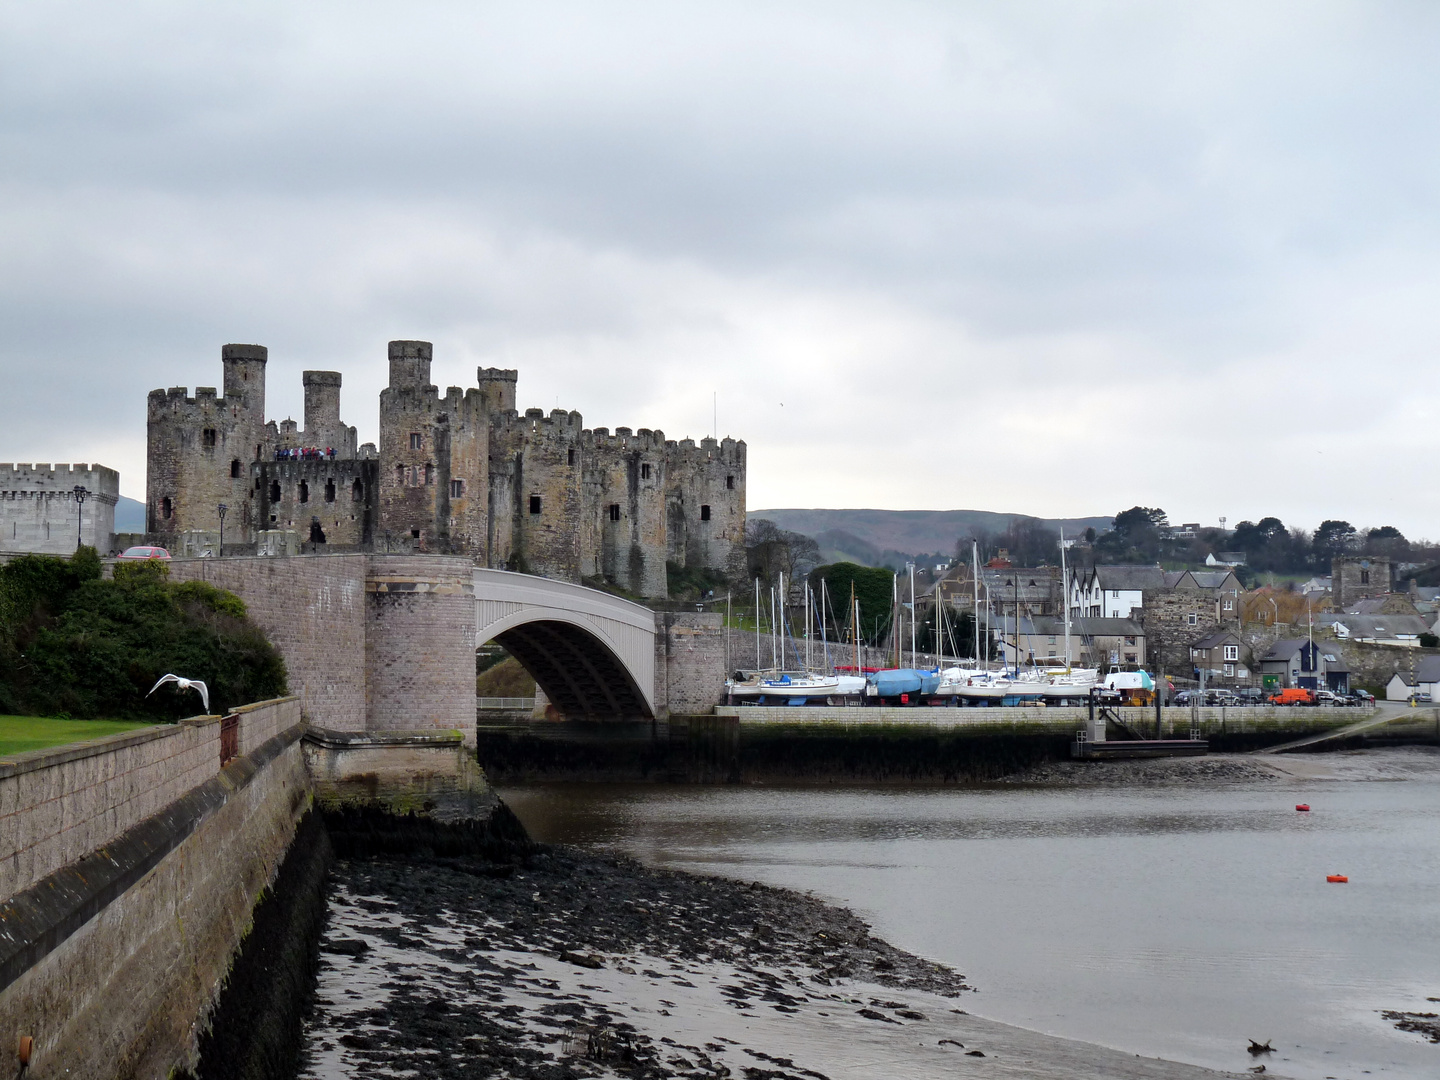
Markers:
point(21, 734)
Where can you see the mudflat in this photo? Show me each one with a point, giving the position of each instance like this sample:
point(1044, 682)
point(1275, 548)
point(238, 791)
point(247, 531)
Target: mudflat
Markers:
point(565, 964)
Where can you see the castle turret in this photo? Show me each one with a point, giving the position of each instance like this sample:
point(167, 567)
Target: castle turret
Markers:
point(497, 388)
point(410, 365)
point(323, 427)
point(434, 460)
point(245, 378)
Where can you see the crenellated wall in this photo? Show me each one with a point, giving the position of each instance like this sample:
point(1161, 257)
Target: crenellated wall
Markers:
point(39, 511)
point(623, 523)
point(461, 473)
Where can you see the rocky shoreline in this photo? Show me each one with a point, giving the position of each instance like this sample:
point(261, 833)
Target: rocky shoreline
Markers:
point(560, 964)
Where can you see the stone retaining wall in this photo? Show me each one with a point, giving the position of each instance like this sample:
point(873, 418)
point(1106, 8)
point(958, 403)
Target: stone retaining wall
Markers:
point(57, 805)
point(111, 961)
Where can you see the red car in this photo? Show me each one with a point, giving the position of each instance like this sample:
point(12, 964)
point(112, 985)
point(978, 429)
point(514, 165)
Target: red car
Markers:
point(144, 553)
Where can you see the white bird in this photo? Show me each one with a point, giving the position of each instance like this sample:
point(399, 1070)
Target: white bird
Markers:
point(185, 684)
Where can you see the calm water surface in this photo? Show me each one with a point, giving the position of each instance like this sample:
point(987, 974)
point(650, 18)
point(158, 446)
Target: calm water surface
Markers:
point(1175, 922)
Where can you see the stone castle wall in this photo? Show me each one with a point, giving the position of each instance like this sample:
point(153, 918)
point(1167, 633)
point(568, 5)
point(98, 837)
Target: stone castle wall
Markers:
point(464, 473)
point(623, 527)
point(1354, 578)
point(38, 509)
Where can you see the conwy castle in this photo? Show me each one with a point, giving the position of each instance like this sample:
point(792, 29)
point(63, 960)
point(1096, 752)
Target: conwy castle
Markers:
point(463, 474)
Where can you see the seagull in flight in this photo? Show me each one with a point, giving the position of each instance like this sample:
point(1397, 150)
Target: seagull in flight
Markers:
point(185, 684)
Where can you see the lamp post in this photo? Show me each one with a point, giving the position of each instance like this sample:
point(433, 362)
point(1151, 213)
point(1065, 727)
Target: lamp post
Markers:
point(80, 495)
point(1277, 610)
point(221, 510)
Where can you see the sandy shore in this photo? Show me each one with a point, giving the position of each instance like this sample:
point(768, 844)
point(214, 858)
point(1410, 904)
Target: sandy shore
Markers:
point(574, 965)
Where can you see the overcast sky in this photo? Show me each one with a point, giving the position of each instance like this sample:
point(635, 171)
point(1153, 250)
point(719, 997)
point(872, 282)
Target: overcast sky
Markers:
point(1055, 259)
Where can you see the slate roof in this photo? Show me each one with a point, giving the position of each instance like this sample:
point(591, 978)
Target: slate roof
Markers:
point(1383, 626)
point(1215, 640)
point(1143, 578)
point(1284, 650)
point(1428, 669)
point(1210, 579)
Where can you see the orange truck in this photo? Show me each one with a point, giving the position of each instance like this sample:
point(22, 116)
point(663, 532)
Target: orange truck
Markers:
point(1297, 696)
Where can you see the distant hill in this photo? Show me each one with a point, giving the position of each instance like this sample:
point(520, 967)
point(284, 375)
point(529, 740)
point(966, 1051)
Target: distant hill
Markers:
point(875, 537)
point(129, 516)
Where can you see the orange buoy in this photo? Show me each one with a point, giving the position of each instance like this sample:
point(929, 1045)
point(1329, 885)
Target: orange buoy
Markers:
point(1336, 877)
point(1303, 806)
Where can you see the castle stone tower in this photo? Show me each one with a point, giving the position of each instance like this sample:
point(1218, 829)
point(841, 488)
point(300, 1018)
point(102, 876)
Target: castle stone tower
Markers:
point(705, 505)
point(624, 517)
point(535, 468)
point(497, 388)
point(199, 451)
point(434, 460)
point(323, 426)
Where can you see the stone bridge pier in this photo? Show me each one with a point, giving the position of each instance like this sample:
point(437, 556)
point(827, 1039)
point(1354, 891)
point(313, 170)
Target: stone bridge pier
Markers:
point(386, 643)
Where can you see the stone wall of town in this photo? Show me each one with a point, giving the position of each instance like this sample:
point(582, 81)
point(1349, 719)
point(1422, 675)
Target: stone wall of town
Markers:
point(39, 511)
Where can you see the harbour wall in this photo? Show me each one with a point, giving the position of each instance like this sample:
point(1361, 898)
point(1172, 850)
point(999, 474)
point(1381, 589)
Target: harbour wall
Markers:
point(758, 744)
point(131, 869)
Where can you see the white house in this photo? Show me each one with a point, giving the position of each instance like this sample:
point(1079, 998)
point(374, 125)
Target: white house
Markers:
point(1111, 592)
point(1425, 681)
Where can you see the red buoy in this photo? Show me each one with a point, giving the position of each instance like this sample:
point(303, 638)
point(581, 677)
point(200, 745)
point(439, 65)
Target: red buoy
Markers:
point(1336, 877)
point(1304, 807)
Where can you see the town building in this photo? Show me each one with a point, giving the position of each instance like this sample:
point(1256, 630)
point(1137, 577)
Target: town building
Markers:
point(463, 472)
point(52, 509)
point(1423, 681)
point(1301, 663)
point(1218, 656)
point(1117, 644)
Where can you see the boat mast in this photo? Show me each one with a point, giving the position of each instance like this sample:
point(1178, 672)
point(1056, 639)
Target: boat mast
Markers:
point(1065, 598)
point(975, 589)
point(757, 622)
point(855, 625)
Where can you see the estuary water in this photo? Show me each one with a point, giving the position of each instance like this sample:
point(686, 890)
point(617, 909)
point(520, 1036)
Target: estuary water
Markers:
point(1174, 919)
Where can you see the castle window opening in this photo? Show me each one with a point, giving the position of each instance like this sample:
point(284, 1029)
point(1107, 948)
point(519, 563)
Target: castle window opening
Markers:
point(304, 492)
point(357, 492)
point(429, 475)
point(729, 483)
point(235, 469)
point(645, 471)
point(414, 476)
point(704, 513)
point(570, 456)
point(416, 442)
point(274, 492)
point(400, 475)
point(329, 490)
point(257, 451)
point(414, 534)
point(614, 511)
point(457, 489)
point(208, 436)
point(1364, 577)
point(534, 504)
point(167, 507)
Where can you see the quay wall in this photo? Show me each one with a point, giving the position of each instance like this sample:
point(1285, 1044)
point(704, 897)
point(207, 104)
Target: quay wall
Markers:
point(758, 744)
point(133, 867)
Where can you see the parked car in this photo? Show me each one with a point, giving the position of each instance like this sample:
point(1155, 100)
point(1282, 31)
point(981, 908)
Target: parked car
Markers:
point(1363, 697)
point(143, 552)
point(1185, 697)
point(1419, 699)
point(1297, 695)
point(1221, 698)
point(1251, 695)
point(1326, 697)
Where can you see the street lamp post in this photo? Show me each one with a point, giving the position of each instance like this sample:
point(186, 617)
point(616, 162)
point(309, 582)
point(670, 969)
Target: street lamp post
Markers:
point(221, 509)
point(80, 495)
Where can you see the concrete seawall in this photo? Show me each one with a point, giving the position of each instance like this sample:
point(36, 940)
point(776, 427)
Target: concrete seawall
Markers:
point(132, 867)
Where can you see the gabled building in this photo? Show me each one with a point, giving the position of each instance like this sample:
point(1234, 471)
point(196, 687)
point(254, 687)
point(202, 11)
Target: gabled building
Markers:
point(1301, 663)
point(1425, 680)
point(1094, 642)
point(1397, 630)
point(1218, 655)
point(1112, 592)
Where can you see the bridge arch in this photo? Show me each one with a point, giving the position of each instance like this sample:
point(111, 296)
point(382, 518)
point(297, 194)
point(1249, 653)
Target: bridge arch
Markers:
point(592, 654)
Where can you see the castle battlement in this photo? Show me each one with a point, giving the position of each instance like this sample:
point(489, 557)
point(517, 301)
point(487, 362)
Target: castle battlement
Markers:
point(465, 472)
point(25, 478)
point(623, 439)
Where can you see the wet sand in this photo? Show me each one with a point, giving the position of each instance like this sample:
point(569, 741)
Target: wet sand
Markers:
point(1391, 763)
point(577, 965)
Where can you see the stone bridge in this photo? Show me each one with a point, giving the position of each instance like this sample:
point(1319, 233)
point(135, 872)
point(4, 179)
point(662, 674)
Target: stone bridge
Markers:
point(387, 642)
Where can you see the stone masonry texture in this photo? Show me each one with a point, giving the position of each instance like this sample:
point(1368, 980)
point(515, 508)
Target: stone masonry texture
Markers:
point(463, 473)
point(38, 508)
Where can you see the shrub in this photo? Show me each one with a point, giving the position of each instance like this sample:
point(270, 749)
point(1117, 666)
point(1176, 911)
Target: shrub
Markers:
point(86, 647)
